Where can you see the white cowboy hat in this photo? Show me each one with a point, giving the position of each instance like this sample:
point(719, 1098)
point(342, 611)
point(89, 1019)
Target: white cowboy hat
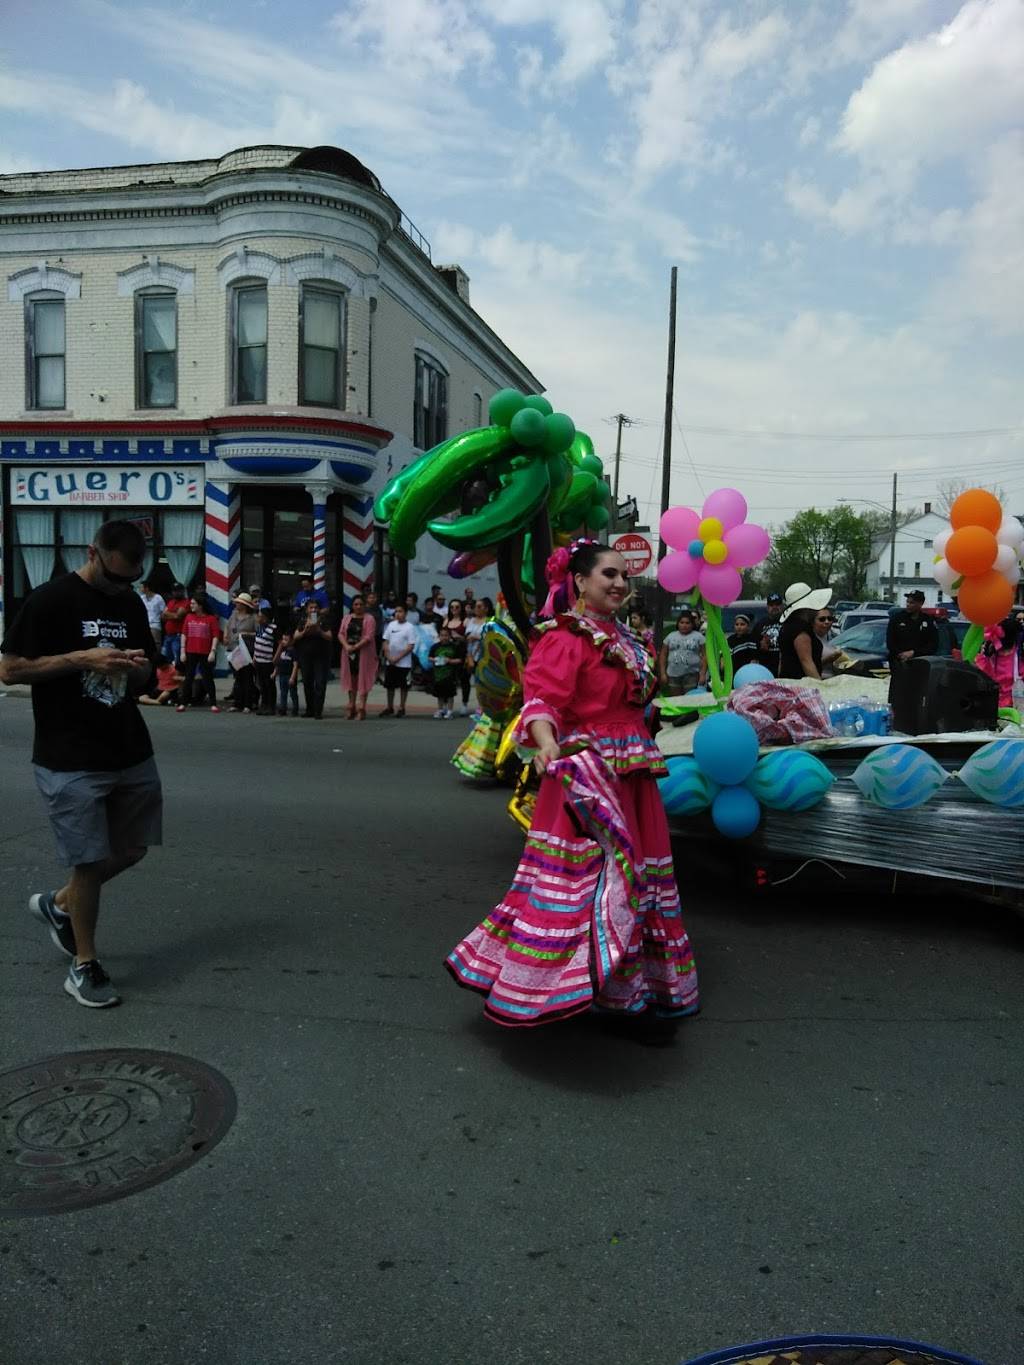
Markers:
point(245, 599)
point(800, 595)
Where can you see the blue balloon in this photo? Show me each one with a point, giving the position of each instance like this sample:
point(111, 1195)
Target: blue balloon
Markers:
point(725, 746)
point(695, 549)
point(736, 812)
point(752, 673)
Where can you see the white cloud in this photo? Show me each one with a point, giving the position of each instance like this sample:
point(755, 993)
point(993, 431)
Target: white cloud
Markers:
point(989, 280)
point(872, 26)
point(421, 39)
point(942, 95)
point(683, 86)
point(585, 30)
point(524, 264)
point(810, 131)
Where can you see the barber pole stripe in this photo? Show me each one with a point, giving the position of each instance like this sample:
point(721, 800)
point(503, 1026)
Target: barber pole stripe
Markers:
point(319, 545)
point(357, 545)
point(223, 544)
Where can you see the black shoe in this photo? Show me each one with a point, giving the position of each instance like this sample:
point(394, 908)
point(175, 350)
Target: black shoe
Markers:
point(44, 906)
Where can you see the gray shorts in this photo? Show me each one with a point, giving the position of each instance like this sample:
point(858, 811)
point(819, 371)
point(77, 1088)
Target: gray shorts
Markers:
point(95, 815)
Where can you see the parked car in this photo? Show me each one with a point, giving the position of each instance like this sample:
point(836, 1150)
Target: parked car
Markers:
point(860, 617)
point(864, 643)
point(840, 608)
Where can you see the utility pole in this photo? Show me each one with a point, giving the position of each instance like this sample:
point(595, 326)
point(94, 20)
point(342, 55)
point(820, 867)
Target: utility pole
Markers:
point(666, 458)
point(621, 420)
point(892, 544)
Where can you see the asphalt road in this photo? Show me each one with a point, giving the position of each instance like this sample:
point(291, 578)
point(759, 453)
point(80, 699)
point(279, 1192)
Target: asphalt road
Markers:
point(833, 1145)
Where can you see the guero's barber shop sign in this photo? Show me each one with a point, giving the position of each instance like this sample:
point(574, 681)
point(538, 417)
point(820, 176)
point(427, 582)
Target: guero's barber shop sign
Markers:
point(133, 485)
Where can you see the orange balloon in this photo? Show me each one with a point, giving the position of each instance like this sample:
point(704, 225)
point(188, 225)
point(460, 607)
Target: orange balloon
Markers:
point(976, 507)
point(986, 598)
point(971, 550)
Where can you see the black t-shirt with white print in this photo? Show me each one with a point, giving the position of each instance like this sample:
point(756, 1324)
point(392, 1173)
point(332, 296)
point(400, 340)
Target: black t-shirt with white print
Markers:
point(87, 721)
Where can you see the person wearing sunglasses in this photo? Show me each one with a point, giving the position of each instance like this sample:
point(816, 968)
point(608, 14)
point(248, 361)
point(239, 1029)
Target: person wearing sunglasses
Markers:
point(824, 624)
point(83, 643)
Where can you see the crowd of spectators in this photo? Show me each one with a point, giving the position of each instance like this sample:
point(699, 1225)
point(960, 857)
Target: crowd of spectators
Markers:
point(435, 645)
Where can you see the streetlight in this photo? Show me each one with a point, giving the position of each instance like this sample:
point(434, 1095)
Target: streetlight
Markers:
point(892, 533)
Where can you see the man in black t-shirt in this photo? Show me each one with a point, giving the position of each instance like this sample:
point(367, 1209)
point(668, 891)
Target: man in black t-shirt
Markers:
point(84, 644)
point(766, 633)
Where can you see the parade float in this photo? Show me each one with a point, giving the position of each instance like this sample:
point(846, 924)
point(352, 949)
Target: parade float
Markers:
point(796, 771)
point(769, 774)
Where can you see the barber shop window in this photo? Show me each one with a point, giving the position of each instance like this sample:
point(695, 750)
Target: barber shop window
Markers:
point(44, 351)
point(156, 349)
point(321, 352)
point(249, 343)
point(430, 404)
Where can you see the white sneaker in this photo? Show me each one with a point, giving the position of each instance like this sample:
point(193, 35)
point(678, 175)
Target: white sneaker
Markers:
point(463, 710)
point(447, 715)
point(439, 715)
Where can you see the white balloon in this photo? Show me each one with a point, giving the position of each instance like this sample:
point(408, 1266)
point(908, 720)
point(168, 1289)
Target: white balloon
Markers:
point(1013, 576)
point(944, 574)
point(1011, 533)
point(942, 540)
point(1006, 561)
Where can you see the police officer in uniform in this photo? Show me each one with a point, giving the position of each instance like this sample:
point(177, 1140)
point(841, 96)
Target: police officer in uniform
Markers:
point(910, 635)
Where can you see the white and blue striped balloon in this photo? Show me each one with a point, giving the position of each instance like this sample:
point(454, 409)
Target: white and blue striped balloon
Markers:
point(996, 773)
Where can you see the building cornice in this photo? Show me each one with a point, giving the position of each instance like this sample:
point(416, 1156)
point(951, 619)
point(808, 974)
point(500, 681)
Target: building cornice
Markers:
point(204, 427)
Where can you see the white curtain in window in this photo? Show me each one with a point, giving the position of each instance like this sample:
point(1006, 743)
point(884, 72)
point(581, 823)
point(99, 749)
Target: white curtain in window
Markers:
point(77, 529)
point(321, 320)
point(35, 532)
point(159, 332)
point(183, 535)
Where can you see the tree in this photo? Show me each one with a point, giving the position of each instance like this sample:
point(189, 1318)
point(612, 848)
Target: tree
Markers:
point(832, 548)
point(950, 489)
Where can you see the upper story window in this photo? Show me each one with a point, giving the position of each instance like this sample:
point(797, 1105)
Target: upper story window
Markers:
point(156, 349)
point(44, 350)
point(321, 352)
point(430, 404)
point(478, 410)
point(249, 343)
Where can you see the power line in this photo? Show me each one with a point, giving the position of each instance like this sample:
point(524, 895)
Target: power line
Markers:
point(854, 435)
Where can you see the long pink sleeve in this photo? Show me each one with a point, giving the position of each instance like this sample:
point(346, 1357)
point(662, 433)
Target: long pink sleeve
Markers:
point(549, 683)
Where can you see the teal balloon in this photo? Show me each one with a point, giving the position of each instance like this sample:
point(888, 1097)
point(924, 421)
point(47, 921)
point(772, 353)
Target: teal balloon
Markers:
point(504, 406)
point(899, 777)
point(540, 404)
point(591, 464)
point(686, 790)
point(749, 673)
point(598, 517)
point(527, 427)
point(789, 779)
point(996, 773)
point(725, 745)
point(735, 812)
point(559, 432)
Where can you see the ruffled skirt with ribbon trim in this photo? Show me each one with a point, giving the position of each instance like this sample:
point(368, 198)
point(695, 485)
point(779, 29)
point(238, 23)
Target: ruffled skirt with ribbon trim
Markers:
point(592, 918)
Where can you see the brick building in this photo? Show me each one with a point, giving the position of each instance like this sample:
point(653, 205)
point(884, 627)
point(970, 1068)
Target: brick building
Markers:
point(235, 352)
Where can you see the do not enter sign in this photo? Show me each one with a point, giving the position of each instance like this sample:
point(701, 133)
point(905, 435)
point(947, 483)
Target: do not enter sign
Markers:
point(636, 550)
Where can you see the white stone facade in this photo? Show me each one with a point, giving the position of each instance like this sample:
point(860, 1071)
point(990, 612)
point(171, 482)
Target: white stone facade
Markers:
point(95, 238)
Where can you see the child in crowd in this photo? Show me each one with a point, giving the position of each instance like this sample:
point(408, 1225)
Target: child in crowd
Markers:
point(264, 652)
point(200, 633)
point(997, 657)
point(286, 670)
point(168, 680)
point(445, 658)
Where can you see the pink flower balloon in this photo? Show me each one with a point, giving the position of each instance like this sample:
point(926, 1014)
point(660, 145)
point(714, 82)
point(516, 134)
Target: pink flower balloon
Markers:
point(678, 572)
point(678, 527)
point(728, 505)
point(720, 584)
point(747, 544)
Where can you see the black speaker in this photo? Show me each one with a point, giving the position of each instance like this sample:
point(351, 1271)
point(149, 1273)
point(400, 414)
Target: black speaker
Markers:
point(935, 695)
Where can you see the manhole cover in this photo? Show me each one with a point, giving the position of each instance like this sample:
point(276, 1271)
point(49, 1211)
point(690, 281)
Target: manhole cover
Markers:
point(86, 1127)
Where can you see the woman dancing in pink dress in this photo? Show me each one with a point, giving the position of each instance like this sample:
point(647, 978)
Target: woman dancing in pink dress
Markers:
point(592, 918)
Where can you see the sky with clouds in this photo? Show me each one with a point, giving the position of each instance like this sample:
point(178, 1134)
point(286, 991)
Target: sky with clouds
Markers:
point(840, 182)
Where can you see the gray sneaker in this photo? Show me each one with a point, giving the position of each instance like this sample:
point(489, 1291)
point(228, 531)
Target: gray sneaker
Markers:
point(44, 906)
point(90, 985)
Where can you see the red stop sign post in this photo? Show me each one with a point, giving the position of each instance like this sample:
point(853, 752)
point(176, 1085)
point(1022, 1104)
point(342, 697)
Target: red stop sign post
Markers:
point(636, 550)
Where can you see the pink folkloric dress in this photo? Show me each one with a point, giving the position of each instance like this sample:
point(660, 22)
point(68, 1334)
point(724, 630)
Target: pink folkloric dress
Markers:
point(592, 918)
point(367, 674)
